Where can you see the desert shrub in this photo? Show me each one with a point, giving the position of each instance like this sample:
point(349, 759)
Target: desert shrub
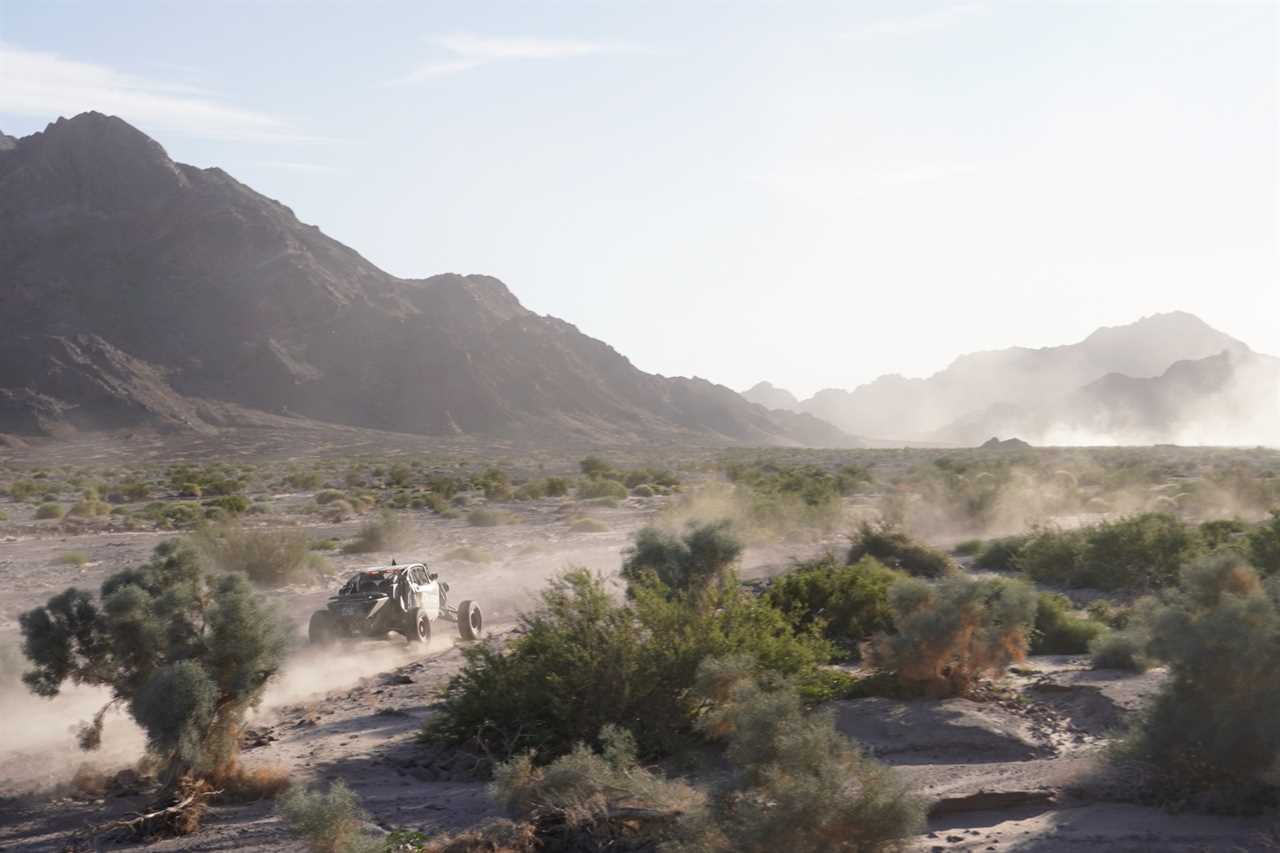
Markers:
point(489, 518)
point(1223, 533)
point(303, 481)
point(583, 785)
point(850, 602)
point(1060, 632)
point(328, 496)
point(269, 558)
point(1109, 613)
point(74, 558)
point(1212, 735)
point(593, 467)
point(583, 661)
point(89, 508)
point(531, 491)
point(703, 553)
point(968, 548)
point(644, 490)
point(998, 554)
point(797, 783)
point(590, 489)
point(174, 516)
point(330, 821)
point(556, 487)
point(229, 504)
point(23, 490)
point(385, 532)
point(133, 491)
point(189, 490)
point(187, 653)
point(1125, 650)
point(49, 510)
point(1141, 552)
point(1264, 545)
point(897, 550)
point(240, 784)
point(588, 525)
point(469, 554)
point(4, 516)
point(950, 633)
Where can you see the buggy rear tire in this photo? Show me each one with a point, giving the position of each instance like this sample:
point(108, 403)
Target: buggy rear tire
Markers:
point(417, 628)
point(322, 630)
point(470, 620)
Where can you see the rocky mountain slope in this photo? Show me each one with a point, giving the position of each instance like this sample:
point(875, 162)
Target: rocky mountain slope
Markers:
point(1165, 378)
point(136, 290)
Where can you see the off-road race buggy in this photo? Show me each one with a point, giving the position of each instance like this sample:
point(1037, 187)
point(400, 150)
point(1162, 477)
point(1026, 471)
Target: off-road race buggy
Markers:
point(405, 599)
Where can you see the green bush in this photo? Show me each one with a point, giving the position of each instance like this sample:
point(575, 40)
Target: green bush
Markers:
point(329, 821)
point(583, 661)
point(1212, 735)
point(601, 489)
point(1058, 631)
point(230, 504)
point(556, 487)
point(850, 602)
point(302, 481)
point(89, 509)
point(593, 467)
point(531, 491)
point(951, 632)
point(797, 783)
point(74, 558)
point(23, 490)
point(1264, 545)
point(968, 548)
point(644, 490)
point(1125, 650)
point(328, 496)
point(270, 558)
point(897, 550)
point(1142, 552)
point(998, 555)
point(704, 553)
point(49, 510)
point(187, 653)
point(386, 532)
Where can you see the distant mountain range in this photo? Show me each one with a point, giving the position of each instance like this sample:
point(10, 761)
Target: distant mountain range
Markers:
point(1165, 378)
point(137, 291)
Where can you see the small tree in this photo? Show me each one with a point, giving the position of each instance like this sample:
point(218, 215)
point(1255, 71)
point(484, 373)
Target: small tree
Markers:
point(187, 653)
point(1264, 545)
point(951, 632)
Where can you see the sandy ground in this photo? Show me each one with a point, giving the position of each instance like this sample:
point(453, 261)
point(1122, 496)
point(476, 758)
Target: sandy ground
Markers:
point(1004, 774)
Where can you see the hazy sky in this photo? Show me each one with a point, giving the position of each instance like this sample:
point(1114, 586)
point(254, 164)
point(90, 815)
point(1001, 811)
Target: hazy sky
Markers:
point(811, 193)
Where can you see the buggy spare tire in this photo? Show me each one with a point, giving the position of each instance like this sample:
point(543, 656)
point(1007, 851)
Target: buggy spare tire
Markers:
point(322, 629)
point(470, 620)
point(417, 629)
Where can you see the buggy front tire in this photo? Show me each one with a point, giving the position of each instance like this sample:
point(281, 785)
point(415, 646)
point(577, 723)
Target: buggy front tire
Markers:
point(321, 630)
point(418, 628)
point(470, 620)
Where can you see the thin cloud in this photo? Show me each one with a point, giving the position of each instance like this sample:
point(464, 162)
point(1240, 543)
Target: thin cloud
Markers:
point(36, 83)
point(923, 22)
point(465, 51)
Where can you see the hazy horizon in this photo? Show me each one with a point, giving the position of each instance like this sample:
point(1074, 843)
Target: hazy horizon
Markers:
point(812, 195)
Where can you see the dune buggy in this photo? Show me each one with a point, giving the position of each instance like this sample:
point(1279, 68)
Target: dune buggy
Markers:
point(404, 599)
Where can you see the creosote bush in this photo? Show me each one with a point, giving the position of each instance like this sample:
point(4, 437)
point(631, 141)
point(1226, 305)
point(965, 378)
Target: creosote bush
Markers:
point(1058, 631)
point(270, 558)
point(1143, 552)
point(187, 653)
point(330, 821)
point(797, 783)
point(702, 554)
point(386, 532)
point(582, 660)
point(1212, 736)
point(849, 602)
point(951, 632)
point(897, 550)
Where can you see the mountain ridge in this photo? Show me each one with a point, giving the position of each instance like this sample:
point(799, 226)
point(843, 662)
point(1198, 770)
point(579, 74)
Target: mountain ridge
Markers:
point(139, 287)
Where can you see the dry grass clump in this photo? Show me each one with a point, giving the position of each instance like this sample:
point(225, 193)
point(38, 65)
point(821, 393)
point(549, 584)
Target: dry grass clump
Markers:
point(387, 532)
point(588, 525)
point(951, 632)
point(240, 784)
point(74, 558)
